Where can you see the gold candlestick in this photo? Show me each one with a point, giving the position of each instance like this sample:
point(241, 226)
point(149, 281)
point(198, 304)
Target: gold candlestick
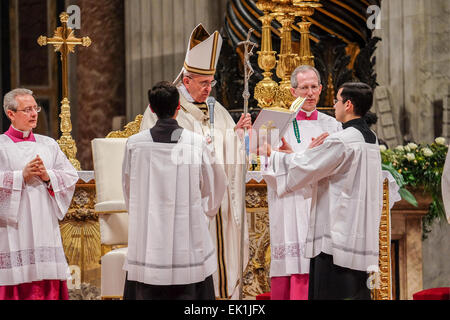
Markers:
point(65, 42)
point(287, 60)
point(305, 9)
point(266, 89)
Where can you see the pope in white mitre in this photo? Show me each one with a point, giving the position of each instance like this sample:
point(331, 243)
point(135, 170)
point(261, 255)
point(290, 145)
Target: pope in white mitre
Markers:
point(194, 83)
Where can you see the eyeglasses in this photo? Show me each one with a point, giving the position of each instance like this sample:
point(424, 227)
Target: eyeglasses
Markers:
point(30, 109)
point(336, 101)
point(313, 88)
point(205, 84)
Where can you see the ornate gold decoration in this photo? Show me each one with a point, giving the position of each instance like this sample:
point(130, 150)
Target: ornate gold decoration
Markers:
point(329, 98)
point(256, 275)
point(65, 42)
point(305, 9)
point(80, 233)
point(267, 93)
point(66, 142)
point(256, 197)
point(287, 60)
point(382, 286)
point(266, 89)
point(352, 49)
point(130, 129)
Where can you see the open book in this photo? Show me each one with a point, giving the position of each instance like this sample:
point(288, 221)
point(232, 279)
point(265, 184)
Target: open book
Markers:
point(271, 124)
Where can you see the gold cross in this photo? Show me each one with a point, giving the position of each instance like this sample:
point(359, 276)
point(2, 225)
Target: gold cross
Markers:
point(268, 125)
point(65, 42)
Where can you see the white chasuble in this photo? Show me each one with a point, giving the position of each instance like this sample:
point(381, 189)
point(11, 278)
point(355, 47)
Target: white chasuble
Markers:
point(347, 201)
point(30, 240)
point(289, 214)
point(170, 190)
point(226, 227)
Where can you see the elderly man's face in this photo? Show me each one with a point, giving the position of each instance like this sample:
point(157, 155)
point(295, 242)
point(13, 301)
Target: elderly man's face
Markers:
point(198, 86)
point(308, 87)
point(26, 116)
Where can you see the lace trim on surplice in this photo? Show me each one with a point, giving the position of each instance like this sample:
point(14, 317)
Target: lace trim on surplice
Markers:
point(6, 191)
point(28, 257)
point(293, 250)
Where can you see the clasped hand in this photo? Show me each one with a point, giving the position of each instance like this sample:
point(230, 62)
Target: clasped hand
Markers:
point(266, 149)
point(35, 168)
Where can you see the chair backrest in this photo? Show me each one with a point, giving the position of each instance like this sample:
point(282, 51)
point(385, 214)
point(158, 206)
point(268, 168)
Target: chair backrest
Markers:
point(108, 155)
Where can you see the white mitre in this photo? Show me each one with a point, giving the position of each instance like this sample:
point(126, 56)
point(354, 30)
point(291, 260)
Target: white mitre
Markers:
point(202, 52)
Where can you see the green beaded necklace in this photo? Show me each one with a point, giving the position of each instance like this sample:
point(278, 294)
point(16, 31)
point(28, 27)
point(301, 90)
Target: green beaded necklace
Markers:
point(296, 130)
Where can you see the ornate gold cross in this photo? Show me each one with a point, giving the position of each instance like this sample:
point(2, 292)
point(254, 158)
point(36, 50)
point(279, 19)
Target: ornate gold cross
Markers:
point(65, 42)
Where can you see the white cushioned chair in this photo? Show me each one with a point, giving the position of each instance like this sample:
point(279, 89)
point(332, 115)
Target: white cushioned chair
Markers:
point(108, 154)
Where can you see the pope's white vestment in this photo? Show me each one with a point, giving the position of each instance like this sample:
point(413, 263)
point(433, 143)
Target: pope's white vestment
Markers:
point(30, 240)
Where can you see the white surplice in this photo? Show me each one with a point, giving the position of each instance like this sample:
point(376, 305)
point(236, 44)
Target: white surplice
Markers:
point(225, 229)
point(347, 202)
point(289, 214)
point(170, 190)
point(30, 240)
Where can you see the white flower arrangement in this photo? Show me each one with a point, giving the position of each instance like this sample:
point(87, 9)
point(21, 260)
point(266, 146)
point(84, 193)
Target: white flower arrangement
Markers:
point(427, 152)
point(412, 146)
point(410, 156)
point(440, 140)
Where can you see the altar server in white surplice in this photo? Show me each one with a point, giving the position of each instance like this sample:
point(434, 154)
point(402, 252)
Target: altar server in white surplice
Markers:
point(289, 214)
point(342, 238)
point(194, 84)
point(172, 185)
point(37, 183)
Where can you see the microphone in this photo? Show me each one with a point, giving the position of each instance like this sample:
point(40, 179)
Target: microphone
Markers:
point(211, 102)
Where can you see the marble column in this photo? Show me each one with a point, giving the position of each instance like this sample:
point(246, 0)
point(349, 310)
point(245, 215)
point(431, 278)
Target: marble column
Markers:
point(156, 37)
point(100, 73)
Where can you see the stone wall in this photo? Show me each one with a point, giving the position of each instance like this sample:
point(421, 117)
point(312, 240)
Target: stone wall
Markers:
point(413, 62)
point(97, 74)
point(157, 33)
point(436, 257)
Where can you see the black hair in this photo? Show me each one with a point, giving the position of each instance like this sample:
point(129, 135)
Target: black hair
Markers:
point(370, 118)
point(360, 94)
point(164, 99)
